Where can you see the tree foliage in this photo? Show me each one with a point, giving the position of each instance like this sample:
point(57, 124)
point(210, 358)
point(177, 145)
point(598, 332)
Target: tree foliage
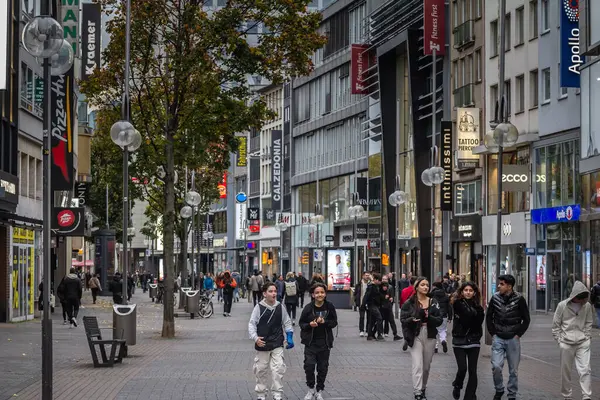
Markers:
point(190, 92)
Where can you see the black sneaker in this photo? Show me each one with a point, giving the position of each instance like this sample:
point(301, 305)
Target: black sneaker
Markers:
point(456, 393)
point(405, 346)
point(498, 396)
point(380, 338)
point(370, 337)
point(396, 338)
point(436, 350)
point(445, 346)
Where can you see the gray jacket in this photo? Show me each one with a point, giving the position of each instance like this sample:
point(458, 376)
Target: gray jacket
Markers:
point(570, 326)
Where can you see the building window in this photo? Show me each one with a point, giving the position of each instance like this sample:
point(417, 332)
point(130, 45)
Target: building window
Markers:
point(493, 95)
point(470, 69)
point(545, 16)
point(593, 9)
point(476, 9)
point(465, 10)
point(338, 33)
point(455, 74)
point(455, 13)
point(508, 96)
point(520, 26)
point(533, 19)
point(478, 65)
point(557, 181)
point(534, 92)
point(493, 38)
point(520, 87)
point(467, 198)
point(507, 35)
point(32, 91)
point(547, 85)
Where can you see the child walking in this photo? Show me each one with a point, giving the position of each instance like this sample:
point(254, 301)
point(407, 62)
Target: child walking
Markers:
point(266, 328)
point(316, 332)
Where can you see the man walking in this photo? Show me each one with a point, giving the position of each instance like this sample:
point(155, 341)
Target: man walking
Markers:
point(596, 300)
point(572, 329)
point(359, 294)
point(302, 287)
point(373, 299)
point(73, 290)
point(507, 320)
point(256, 284)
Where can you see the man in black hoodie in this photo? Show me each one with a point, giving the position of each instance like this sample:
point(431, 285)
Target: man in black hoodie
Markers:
point(302, 287)
point(372, 301)
point(387, 312)
point(438, 293)
point(72, 291)
point(116, 287)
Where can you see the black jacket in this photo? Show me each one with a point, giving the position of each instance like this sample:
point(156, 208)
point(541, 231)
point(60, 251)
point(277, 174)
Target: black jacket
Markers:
point(302, 283)
point(507, 316)
point(443, 300)
point(410, 328)
point(373, 297)
point(308, 315)
point(116, 286)
point(70, 288)
point(468, 322)
point(386, 303)
point(595, 295)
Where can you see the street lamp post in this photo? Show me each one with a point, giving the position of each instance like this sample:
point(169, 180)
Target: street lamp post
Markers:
point(280, 227)
point(396, 199)
point(192, 199)
point(43, 37)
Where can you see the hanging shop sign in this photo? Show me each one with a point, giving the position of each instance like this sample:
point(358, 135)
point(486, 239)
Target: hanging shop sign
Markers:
point(466, 229)
point(61, 109)
point(515, 178)
point(91, 27)
point(253, 213)
point(222, 187)
point(552, 215)
point(276, 169)
point(446, 163)
point(359, 64)
point(242, 153)
point(81, 192)
point(433, 27)
point(467, 137)
point(570, 49)
point(68, 221)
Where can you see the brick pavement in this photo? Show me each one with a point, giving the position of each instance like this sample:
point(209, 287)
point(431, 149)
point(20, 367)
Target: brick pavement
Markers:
point(212, 359)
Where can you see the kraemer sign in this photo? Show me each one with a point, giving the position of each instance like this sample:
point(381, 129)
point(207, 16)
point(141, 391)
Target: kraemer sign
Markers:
point(90, 41)
point(553, 215)
point(433, 27)
point(570, 51)
point(467, 137)
point(446, 164)
point(276, 169)
point(515, 178)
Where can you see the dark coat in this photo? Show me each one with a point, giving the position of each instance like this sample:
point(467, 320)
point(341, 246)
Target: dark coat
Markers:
point(386, 303)
point(302, 283)
point(308, 315)
point(443, 300)
point(70, 288)
point(411, 328)
point(373, 297)
point(507, 316)
point(467, 328)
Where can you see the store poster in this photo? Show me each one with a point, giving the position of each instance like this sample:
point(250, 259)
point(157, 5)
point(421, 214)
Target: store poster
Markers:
point(540, 275)
point(339, 267)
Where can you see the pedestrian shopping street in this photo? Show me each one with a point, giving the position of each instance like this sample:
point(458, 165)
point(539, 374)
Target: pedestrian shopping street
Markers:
point(212, 359)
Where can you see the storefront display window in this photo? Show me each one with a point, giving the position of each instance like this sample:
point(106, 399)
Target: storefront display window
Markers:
point(511, 201)
point(513, 261)
point(557, 181)
point(464, 261)
point(467, 198)
point(23, 290)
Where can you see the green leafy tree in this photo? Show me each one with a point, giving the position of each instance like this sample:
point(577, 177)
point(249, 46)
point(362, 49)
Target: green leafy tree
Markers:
point(190, 91)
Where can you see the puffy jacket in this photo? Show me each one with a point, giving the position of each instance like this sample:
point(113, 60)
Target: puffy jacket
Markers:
point(387, 289)
point(569, 326)
point(507, 316)
point(70, 287)
point(442, 299)
point(308, 315)
point(373, 297)
point(208, 283)
point(467, 328)
point(411, 329)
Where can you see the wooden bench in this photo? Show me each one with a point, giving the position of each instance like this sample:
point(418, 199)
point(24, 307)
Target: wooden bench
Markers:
point(94, 338)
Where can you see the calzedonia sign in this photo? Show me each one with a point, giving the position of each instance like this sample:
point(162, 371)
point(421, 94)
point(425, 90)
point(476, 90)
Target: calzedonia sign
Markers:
point(276, 169)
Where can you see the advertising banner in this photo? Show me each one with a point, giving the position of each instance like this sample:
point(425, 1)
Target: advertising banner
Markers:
point(222, 187)
point(467, 137)
point(359, 64)
point(570, 58)
point(68, 221)
point(433, 27)
point(446, 187)
point(90, 39)
point(242, 153)
point(62, 106)
point(553, 215)
point(276, 169)
point(339, 269)
point(240, 217)
point(81, 192)
point(515, 178)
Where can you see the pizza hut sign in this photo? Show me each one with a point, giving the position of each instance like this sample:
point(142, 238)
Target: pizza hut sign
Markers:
point(68, 221)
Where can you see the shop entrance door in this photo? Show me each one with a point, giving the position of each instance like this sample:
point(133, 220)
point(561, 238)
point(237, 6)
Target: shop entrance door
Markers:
point(553, 258)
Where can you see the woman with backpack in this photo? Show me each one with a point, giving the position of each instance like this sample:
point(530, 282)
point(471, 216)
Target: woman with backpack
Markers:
point(290, 295)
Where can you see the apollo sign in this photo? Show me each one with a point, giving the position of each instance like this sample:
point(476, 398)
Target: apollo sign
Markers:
point(515, 178)
point(570, 50)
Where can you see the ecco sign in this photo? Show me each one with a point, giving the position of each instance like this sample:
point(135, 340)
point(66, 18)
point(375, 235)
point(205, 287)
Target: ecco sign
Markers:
point(515, 178)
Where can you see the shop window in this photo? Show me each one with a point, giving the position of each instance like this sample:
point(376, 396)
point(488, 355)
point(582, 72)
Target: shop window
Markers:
point(511, 201)
point(467, 198)
point(556, 178)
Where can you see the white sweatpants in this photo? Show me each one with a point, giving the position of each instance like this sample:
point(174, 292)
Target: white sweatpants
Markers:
point(421, 354)
point(273, 361)
point(581, 355)
point(442, 332)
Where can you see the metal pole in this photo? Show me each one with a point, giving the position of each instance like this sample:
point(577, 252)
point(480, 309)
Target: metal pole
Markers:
point(191, 258)
point(396, 246)
point(107, 224)
point(502, 118)
point(354, 202)
point(433, 163)
point(47, 365)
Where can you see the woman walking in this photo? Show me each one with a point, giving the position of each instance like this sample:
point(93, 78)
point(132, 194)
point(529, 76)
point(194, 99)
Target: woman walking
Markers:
point(316, 332)
point(227, 284)
point(466, 336)
point(290, 296)
point(420, 318)
point(94, 284)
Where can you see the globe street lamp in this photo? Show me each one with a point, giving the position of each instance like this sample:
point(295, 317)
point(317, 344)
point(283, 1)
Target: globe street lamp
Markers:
point(43, 37)
point(355, 211)
point(193, 199)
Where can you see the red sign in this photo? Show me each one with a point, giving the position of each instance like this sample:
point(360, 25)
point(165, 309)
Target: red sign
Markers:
point(598, 194)
point(359, 63)
point(433, 27)
point(65, 218)
point(254, 228)
point(222, 187)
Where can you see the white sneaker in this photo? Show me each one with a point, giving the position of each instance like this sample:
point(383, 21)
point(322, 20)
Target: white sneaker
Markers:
point(310, 394)
point(362, 334)
point(385, 335)
point(319, 395)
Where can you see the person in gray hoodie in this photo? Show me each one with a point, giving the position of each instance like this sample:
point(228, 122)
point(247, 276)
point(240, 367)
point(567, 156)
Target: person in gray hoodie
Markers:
point(572, 329)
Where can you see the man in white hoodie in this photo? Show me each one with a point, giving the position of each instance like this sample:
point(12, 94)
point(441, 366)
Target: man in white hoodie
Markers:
point(571, 328)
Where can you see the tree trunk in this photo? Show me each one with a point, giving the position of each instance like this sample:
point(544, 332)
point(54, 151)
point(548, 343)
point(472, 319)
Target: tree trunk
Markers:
point(168, 328)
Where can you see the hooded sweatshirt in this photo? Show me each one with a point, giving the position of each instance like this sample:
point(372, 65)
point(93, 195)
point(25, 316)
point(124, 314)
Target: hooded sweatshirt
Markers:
point(269, 322)
point(72, 287)
point(572, 322)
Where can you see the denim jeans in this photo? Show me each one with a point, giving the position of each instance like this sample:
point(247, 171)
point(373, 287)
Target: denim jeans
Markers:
point(511, 349)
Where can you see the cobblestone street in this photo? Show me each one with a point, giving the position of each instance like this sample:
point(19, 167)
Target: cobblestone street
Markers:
point(211, 359)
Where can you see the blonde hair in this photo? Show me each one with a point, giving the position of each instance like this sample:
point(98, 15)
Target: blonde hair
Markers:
point(289, 275)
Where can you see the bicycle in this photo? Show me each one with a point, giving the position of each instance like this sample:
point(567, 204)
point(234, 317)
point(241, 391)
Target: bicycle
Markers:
point(206, 309)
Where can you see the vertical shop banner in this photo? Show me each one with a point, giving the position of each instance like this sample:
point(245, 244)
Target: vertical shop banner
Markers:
point(433, 27)
point(375, 194)
point(570, 51)
point(242, 153)
point(446, 198)
point(467, 137)
point(361, 189)
point(62, 106)
point(359, 64)
point(276, 169)
point(222, 187)
point(90, 40)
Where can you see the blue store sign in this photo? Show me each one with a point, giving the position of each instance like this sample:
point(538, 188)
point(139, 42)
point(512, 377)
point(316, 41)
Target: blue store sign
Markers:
point(570, 56)
point(555, 215)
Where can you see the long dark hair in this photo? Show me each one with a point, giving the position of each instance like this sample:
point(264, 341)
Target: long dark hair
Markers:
point(416, 285)
point(458, 295)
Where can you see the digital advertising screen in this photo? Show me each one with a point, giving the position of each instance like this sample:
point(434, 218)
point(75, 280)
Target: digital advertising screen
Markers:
point(540, 274)
point(339, 269)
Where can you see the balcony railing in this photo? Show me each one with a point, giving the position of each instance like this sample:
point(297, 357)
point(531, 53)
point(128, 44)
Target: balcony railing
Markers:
point(464, 34)
point(464, 96)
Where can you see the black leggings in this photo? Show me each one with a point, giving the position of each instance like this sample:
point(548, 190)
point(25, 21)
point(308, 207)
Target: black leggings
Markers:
point(319, 358)
point(466, 359)
point(227, 300)
point(256, 296)
point(375, 322)
point(291, 310)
